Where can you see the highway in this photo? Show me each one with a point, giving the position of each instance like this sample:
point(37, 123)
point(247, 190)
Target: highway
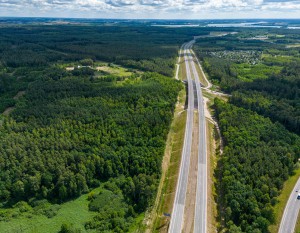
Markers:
point(200, 218)
point(289, 218)
point(177, 216)
point(180, 196)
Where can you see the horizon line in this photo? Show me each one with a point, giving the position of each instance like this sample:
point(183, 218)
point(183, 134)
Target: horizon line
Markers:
point(94, 18)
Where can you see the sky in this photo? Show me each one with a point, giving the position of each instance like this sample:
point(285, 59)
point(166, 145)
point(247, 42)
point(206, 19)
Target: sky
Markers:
point(152, 9)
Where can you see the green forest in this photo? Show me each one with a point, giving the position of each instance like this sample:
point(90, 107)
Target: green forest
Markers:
point(65, 133)
point(30, 51)
point(69, 135)
point(258, 157)
point(259, 124)
point(138, 46)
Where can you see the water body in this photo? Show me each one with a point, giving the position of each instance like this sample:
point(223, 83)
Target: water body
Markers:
point(248, 25)
point(175, 25)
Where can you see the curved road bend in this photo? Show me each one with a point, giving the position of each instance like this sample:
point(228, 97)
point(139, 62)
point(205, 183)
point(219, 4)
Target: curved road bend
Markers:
point(289, 218)
point(178, 207)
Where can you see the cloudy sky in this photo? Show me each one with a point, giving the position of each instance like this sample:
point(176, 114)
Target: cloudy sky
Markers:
point(158, 9)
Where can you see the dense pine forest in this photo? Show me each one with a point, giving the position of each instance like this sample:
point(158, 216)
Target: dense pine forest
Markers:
point(65, 132)
point(258, 157)
point(27, 51)
point(69, 135)
point(259, 125)
point(143, 47)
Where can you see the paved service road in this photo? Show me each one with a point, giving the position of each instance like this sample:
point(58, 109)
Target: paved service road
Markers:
point(200, 218)
point(289, 218)
point(178, 207)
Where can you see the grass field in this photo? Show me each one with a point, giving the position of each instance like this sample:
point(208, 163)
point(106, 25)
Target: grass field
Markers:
point(293, 46)
point(114, 69)
point(282, 200)
point(75, 212)
point(108, 68)
point(248, 72)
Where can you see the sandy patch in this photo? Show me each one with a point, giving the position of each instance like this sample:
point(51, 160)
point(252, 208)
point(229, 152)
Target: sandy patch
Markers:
point(19, 94)
point(69, 68)
point(8, 111)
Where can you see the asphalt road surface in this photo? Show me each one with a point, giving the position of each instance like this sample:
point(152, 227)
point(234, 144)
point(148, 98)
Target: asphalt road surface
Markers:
point(178, 207)
point(289, 218)
point(200, 218)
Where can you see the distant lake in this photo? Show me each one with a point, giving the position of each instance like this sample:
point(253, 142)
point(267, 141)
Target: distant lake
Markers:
point(175, 25)
point(251, 25)
point(222, 25)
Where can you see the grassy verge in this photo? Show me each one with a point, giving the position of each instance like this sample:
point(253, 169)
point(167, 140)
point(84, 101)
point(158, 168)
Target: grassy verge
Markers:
point(297, 229)
point(213, 150)
point(211, 97)
point(173, 151)
point(282, 200)
point(202, 79)
point(180, 56)
point(182, 70)
point(212, 160)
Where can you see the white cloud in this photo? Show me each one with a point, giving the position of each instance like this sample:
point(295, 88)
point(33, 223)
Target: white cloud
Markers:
point(282, 6)
point(147, 8)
